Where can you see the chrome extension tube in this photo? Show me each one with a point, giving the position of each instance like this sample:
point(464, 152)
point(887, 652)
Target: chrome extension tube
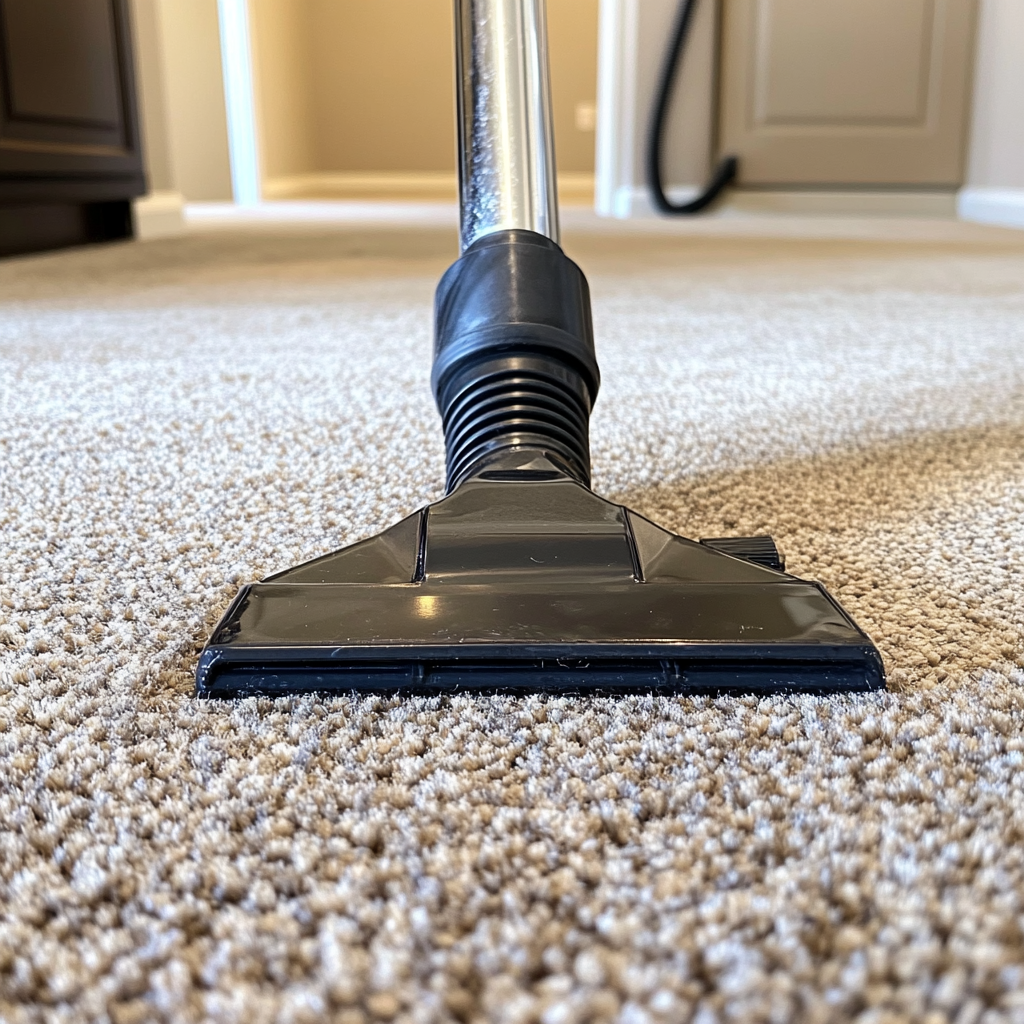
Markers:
point(506, 142)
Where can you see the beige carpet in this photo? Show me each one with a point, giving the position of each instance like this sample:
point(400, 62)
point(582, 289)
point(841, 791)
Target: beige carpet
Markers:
point(181, 416)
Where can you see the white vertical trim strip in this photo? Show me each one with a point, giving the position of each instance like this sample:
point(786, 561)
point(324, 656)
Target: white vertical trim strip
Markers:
point(616, 107)
point(240, 100)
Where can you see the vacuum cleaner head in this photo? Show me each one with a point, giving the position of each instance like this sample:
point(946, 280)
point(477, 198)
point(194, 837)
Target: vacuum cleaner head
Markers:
point(523, 579)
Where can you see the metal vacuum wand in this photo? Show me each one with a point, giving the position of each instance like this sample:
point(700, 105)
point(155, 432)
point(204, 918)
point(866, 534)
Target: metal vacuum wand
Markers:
point(506, 142)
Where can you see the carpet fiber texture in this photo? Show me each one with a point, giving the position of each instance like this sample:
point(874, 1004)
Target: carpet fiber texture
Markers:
point(182, 416)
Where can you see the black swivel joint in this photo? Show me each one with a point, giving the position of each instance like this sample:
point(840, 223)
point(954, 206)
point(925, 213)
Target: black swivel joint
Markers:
point(514, 363)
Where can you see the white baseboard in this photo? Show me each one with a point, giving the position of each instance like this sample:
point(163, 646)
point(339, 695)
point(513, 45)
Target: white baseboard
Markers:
point(397, 186)
point(1000, 206)
point(636, 202)
point(159, 215)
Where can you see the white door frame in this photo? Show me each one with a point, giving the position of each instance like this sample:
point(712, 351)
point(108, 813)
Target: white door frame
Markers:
point(994, 190)
point(240, 101)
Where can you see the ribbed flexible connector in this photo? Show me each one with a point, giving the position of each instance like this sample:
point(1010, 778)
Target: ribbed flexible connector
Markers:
point(514, 363)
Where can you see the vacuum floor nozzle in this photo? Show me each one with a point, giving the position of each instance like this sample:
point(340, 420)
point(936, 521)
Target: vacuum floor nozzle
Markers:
point(524, 580)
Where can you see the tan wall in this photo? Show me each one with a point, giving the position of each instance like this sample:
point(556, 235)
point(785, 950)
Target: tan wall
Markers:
point(281, 33)
point(194, 98)
point(357, 86)
point(149, 78)
point(382, 85)
point(572, 39)
point(997, 140)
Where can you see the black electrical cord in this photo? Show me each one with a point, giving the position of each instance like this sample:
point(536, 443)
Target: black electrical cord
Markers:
point(727, 168)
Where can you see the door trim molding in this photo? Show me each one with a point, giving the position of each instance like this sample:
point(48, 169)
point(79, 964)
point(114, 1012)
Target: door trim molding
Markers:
point(994, 191)
point(240, 100)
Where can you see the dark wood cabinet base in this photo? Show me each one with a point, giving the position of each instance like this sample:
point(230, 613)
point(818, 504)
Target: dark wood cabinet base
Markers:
point(70, 160)
point(33, 227)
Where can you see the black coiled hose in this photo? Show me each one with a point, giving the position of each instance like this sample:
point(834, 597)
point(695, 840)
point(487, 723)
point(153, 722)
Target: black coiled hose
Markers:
point(727, 168)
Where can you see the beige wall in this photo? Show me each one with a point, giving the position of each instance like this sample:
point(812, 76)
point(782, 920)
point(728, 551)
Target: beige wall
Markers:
point(572, 38)
point(994, 193)
point(357, 86)
point(997, 139)
point(193, 98)
point(382, 85)
point(150, 81)
point(281, 34)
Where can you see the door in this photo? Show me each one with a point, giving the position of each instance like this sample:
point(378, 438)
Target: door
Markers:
point(846, 92)
point(69, 145)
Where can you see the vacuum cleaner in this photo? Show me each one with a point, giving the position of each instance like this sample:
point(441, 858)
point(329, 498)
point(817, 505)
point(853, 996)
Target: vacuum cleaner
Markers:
point(522, 579)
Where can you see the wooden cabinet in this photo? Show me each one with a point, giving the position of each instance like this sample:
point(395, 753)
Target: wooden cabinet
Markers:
point(847, 92)
point(70, 158)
